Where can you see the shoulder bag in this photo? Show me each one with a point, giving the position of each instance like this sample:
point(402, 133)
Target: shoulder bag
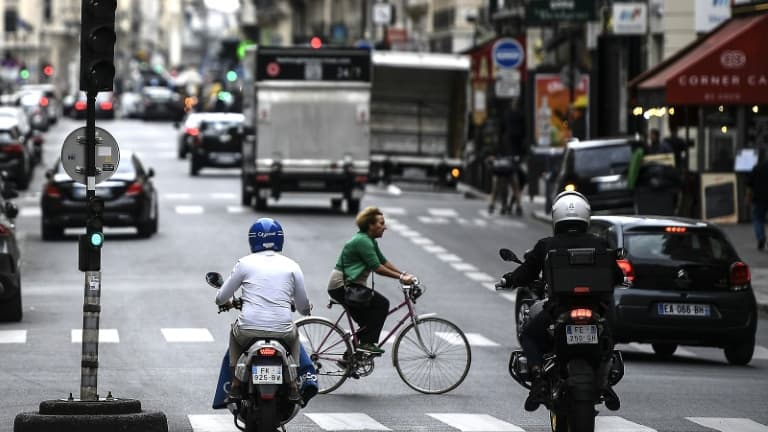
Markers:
point(356, 295)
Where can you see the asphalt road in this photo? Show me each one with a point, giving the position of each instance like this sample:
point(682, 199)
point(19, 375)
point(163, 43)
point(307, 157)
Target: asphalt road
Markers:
point(162, 341)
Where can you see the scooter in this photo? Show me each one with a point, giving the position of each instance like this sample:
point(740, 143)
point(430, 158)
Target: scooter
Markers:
point(265, 370)
point(580, 366)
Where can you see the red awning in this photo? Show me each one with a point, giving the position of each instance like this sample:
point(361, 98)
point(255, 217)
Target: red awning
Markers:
point(729, 66)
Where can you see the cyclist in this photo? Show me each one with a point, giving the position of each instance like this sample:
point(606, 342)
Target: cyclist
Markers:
point(570, 221)
point(358, 258)
point(271, 282)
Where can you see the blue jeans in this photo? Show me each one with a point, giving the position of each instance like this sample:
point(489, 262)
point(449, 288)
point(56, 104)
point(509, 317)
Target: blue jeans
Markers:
point(758, 220)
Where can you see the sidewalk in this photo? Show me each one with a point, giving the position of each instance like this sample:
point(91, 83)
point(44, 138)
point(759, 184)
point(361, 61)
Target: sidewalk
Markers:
point(741, 237)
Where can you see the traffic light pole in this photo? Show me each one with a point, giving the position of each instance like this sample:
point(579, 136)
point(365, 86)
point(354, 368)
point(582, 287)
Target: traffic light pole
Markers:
point(89, 364)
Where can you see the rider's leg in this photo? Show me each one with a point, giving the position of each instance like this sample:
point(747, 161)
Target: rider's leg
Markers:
point(371, 319)
point(235, 350)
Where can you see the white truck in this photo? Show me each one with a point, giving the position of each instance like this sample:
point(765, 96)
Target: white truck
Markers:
point(307, 118)
point(419, 112)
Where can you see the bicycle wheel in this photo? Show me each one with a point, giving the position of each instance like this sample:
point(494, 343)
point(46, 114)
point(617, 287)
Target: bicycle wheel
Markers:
point(329, 350)
point(437, 366)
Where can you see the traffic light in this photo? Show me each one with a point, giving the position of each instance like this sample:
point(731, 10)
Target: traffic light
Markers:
point(47, 70)
point(90, 243)
point(97, 45)
point(23, 72)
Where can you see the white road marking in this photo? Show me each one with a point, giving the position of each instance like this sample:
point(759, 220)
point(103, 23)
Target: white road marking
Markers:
point(618, 424)
point(475, 422)
point(410, 233)
point(30, 212)
point(464, 267)
point(224, 195)
point(510, 297)
point(443, 212)
point(480, 276)
point(422, 241)
point(729, 424)
point(394, 190)
point(13, 336)
point(345, 421)
point(392, 210)
point(449, 257)
point(435, 249)
point(478, 340)
point(187, 335)
point(212, 422)
point(761, 353)
point(177, 196)
point(480, 222)
point(105, 336)
point(194, 209)
point(433, 220)
point(510, 223)
point(235, 209)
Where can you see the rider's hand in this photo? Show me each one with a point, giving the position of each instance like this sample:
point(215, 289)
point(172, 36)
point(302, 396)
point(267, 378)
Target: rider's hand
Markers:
point(507, 279)
point(407, 279)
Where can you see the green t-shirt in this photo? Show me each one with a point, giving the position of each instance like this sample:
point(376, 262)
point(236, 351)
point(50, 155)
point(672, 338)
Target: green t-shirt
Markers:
point(359, 254)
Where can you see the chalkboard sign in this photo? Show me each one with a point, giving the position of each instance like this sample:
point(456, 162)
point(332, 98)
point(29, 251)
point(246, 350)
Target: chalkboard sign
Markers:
point(718, 193)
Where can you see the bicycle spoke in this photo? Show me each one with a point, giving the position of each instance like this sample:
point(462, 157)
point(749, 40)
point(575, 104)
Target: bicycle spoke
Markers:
point(328, 350)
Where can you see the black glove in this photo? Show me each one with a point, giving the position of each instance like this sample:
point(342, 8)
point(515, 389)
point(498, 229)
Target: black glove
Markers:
point(508, 279)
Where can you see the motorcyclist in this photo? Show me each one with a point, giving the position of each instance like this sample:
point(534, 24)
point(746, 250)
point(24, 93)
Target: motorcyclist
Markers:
point(271, 282)
point(571, 214)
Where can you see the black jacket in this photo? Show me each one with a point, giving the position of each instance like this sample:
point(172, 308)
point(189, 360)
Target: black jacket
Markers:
point(533, 264)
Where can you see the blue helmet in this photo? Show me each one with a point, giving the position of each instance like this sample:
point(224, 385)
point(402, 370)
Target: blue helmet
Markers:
point(266, 233)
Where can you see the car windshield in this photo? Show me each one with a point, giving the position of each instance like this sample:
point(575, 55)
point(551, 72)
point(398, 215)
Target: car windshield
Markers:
point(217, 126)
point(596, 161)
point(694, 246)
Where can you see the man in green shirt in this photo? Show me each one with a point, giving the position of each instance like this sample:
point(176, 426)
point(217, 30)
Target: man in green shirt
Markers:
point(358, 258)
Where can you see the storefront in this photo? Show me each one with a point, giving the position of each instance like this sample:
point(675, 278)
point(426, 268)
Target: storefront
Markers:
point(715, 91)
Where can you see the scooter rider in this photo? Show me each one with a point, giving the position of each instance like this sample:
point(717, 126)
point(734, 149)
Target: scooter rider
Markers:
point(271, 282)
point(571, 214)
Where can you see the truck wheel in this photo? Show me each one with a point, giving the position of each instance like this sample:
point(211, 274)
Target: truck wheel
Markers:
point(740, 353)
point(50, 232)
point(336, 204)
point(353, 206)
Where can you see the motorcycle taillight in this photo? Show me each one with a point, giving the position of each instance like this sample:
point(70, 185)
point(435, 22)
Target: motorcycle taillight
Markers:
point(581, 314)
point(267, 351)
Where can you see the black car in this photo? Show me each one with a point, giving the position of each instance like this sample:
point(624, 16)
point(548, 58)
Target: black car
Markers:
point(598, 169)
point(10, 275)
point(688, 286)
point(161, 103)
point(105, 106)
point(16, 158)
point(219, 142)
point(130, 199)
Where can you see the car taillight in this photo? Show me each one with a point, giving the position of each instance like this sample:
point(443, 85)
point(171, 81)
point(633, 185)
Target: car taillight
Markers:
point(267, 351)
point(44, 101)
point(626, 267)
point(106, 106)
point(740, 276)
point(4, 230)
point(361, 179)
point(13, 148)
point(192, 131)
point(80, 105)
point(581, 314)
point(135, 188)
point(52, 191)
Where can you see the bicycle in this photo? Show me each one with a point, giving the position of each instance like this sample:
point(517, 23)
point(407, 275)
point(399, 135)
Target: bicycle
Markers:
point(431, 354)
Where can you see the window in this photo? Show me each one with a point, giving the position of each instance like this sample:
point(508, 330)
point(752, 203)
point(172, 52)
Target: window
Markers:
point(695, 246)
point(606, 160)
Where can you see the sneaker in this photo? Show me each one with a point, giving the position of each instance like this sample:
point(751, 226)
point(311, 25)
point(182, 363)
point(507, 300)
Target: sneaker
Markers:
point(536, 396)
point(370, 347)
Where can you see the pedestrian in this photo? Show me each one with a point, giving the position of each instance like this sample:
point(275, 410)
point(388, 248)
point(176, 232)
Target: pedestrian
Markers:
point(757, 196)
point(360, 257)
point(507, 169)
point(271, 282)
point(678, 146)
point(655, 145)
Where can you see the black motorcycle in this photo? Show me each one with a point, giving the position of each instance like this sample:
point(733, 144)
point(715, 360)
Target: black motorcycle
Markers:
point(580, 366)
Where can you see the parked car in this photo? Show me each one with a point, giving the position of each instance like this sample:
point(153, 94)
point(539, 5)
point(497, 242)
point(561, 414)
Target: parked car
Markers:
point(189, 134)
point(35, 105)
point(10, 273)
point(161, 103)
point(15, 156)
point(105, 105)
point(130, 199)
point(688, 286)
point(130, 105)
point(32, 139)
point(219, 142)
point(598, 169)
point(50, 99)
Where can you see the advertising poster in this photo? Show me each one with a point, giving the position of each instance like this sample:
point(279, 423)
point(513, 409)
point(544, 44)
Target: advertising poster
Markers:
point(551, 104)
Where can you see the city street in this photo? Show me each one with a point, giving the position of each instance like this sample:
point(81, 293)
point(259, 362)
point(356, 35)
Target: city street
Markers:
point(162, 340)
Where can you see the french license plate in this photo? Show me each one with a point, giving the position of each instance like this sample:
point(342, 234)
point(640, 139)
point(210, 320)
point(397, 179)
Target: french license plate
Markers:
point(312, 184)
point(684, 309)
point(267, 374)
point(580, 334)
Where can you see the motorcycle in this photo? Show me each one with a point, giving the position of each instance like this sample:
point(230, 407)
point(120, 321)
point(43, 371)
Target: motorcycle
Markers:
point(265, 369)
point(580, 366)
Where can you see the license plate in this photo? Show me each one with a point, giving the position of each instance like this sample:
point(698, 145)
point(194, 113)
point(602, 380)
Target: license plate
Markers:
point(684, 309)
point(225, 158)
point(580, 334)
point(611, 186)
point(267, 374)
point(309, 184)
point(415, 172)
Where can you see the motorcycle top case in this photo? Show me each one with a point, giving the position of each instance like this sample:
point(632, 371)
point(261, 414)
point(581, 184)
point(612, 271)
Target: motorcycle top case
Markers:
point(569, 270)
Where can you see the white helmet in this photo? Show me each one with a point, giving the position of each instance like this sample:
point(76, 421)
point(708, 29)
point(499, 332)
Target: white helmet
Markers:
point(570, 212)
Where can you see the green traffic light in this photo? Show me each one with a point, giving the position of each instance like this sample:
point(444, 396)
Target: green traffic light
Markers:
point(231, 76)
point(97, 239)
point(24, 74)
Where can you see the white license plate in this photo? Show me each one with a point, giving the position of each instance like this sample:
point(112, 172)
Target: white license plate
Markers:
point(267, 374)
point(310, 184)
point(580, 334)
point(612, 186)
point(684, 309)
point(414, 172)
point(224, 157)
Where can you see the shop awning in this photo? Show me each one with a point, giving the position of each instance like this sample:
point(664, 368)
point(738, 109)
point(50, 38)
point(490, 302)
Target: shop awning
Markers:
point(729, 66)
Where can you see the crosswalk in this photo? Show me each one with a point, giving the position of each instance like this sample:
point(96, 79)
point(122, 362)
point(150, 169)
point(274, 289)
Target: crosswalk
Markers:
point(465, 422)
point(190, 335)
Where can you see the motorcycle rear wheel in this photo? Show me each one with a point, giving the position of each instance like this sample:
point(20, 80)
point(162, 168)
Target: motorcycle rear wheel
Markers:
point(582, 416)
point(264, 418)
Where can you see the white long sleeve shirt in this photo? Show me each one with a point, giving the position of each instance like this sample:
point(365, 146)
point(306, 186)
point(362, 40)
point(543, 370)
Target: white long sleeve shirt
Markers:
point(269, 281)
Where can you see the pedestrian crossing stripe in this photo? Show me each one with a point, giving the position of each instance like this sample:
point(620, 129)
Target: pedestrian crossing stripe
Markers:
point(105, 336)
point(422, 241)
point(480, 276)
point(13, 336)
point(463, 266)
point(187, 335)
point(189, 209)
point(465, 422)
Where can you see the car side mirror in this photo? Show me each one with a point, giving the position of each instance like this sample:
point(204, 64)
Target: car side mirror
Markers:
point(11, 210)
point(621, 253)
point(150, 172)
point(214, 279)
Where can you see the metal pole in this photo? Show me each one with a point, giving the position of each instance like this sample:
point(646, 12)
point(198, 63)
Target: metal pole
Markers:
point(91, 308)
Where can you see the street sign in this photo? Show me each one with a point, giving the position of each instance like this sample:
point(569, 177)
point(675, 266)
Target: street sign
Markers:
point(544, 12)
point(73, 155)
point(508, 53)
point(382, 13)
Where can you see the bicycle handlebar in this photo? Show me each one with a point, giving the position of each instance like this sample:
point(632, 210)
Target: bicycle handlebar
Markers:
point(236, 303)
